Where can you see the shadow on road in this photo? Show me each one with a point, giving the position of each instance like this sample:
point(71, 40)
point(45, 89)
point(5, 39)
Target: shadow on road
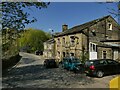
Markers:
point(39, 74)
point(26, 72)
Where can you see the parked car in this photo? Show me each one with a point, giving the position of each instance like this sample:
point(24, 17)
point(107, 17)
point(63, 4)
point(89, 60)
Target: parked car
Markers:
point(50, 63)
point(73, 64)
point(65, 62)
point(37, 52)
point(102, 67)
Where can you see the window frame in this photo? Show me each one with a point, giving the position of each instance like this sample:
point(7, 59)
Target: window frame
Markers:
point(91, 45)
point(103, 55)
point(63, 41)
point(72, 40)
point(110, 26)
point(58, 43)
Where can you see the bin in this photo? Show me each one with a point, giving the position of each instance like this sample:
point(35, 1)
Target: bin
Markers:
point(115, 83)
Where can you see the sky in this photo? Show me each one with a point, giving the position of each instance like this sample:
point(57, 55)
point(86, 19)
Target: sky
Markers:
point(70, 13)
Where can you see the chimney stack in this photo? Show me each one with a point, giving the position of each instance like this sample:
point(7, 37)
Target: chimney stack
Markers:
point(64, 27)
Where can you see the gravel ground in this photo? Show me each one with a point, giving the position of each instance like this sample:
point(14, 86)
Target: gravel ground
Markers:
point(30, 73)
point(38, 76)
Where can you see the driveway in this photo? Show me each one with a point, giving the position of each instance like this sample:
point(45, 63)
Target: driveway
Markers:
point(30, 73)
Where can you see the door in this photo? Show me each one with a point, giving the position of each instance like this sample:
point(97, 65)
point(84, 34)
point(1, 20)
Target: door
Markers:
point(92, 51)
point(103, 65)
point(115, 54)
point(93, 55)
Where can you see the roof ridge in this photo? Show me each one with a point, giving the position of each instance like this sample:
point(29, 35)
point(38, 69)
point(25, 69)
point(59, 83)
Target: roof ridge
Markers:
point(92, 21)
point(82, 26)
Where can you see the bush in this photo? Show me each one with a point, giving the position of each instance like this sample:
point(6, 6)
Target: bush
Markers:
point(84, 57)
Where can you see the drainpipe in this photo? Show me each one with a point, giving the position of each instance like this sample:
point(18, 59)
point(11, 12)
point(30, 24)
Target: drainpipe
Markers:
point(105, 28)
point(88, 42)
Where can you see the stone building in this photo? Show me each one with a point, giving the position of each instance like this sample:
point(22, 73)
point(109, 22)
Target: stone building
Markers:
point(99, 38)
point(49, 51)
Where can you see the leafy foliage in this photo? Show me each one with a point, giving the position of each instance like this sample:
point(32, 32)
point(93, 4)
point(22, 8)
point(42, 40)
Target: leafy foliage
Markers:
point(14, 19)
point(13, 16)
point(33, 39)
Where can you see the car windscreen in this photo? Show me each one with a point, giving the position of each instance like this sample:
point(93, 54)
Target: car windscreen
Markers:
point(75, 60)
point(96, 62)
point(65, 59)
point(88, 63)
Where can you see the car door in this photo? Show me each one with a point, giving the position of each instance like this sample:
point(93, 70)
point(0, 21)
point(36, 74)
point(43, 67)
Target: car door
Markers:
point(65, 62)
point(113, 67)
point(70, 63)
point(103, 65)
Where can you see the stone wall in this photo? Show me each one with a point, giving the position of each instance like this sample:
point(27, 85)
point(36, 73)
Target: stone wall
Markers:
point(10, 62)
point(109, 52)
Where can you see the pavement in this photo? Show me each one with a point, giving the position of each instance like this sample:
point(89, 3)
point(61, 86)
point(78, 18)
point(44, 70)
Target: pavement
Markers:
point(30, 73)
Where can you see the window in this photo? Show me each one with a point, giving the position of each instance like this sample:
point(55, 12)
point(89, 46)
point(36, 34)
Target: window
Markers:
point(63, 54)
point(63, 41)
point(109, 26)
point(90, 46)
point(103, 62)
point(72, 40)
point(112, 62)
point(59, 42)
point(104, 54)
point(71, 54)
point(67, 54)
point(93, 47)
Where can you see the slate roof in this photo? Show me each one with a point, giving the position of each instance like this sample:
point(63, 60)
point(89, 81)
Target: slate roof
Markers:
point(50, 41)
point(108, 46)
point(81, 27)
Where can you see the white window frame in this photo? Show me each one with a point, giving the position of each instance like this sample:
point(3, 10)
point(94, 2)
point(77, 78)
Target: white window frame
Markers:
point(110, 26)
point(91, 48)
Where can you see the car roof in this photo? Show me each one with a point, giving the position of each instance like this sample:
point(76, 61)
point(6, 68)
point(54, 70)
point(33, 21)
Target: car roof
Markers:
point(71, 57)
point(99, 59)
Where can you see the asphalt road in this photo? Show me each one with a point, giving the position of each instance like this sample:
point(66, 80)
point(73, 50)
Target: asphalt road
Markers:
point(30, 73)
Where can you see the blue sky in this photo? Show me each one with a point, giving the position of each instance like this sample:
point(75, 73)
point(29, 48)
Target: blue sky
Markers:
point(72, 14)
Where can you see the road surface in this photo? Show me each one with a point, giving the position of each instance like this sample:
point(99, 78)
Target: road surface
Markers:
point(30, 73)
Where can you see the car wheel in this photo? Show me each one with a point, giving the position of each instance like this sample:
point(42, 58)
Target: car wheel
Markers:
point(100, 74)
point(44, 64)
point(75, 71)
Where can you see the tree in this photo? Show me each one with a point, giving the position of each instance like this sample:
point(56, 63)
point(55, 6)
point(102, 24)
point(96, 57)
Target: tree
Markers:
point(13, 16)
point(33, 39)
point(14, 19)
